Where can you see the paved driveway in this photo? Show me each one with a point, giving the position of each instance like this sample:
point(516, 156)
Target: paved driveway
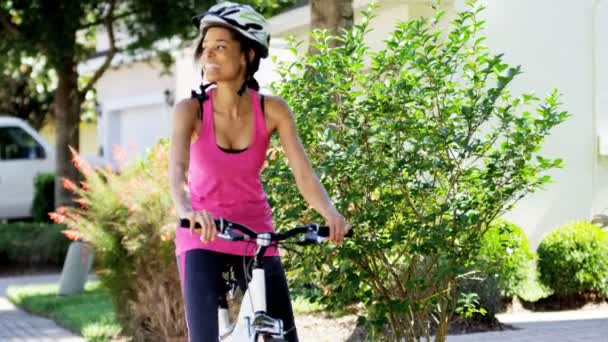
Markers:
point(18, 326)
point(562, 326)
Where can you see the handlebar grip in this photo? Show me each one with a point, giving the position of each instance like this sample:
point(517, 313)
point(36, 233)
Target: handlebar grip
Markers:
point(185, 223)
point(324, 232)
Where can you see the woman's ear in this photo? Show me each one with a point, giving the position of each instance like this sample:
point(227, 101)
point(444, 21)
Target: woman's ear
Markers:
point(251, 55)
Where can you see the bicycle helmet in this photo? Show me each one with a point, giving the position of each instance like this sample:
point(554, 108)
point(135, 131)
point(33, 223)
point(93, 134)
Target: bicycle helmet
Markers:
point(242, 18)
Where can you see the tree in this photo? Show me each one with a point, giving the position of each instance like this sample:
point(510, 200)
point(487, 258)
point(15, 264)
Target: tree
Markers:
point(332, 15)
point(63, 32)
point(25, 93)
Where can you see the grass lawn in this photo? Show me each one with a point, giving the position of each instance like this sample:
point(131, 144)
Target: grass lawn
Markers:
point(89, 314)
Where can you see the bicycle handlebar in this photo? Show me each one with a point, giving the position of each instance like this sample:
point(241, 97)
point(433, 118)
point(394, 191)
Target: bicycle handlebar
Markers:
point(312, 233)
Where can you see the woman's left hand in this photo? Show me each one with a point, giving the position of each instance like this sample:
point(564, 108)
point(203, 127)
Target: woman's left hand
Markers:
point(337, 227)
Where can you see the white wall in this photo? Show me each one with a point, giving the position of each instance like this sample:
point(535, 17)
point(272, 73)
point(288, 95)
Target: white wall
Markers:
point(600, 199)
point(142, 127)
point(135, 114)
point(552, 40)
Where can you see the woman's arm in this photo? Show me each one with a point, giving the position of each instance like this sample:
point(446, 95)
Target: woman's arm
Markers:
point(306, 180)
point(184, 124)
point(179, 154)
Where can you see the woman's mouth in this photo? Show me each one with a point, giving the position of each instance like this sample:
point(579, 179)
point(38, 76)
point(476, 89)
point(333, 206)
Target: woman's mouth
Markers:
point(211, 67)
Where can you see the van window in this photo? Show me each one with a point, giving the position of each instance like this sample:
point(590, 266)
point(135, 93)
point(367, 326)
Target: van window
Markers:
point(16, 143)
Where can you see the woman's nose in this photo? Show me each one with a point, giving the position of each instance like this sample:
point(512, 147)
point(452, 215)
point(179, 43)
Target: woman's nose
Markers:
point(208, 52)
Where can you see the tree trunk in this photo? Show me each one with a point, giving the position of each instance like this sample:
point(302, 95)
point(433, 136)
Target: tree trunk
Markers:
point(333, 15)
point(67, 110)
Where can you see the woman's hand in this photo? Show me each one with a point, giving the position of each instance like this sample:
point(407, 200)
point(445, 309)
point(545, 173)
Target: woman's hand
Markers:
point(205, 220)
point(337, 226)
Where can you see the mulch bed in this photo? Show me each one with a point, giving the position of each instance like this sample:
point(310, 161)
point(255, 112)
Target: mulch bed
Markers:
point(573, 302)
point(460, 325)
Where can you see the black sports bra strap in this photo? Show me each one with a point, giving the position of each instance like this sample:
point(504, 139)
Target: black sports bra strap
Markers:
point(201, 97)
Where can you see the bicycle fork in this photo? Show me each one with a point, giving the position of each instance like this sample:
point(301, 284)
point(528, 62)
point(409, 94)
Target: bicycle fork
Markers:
point(252, 320)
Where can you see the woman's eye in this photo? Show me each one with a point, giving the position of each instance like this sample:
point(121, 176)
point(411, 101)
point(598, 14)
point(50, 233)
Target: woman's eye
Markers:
point(221, 47)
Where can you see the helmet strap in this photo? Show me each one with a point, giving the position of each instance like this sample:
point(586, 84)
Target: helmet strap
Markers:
point(247, 76)
point(243, 88)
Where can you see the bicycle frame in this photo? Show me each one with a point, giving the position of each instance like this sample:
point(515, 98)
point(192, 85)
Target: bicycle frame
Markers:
point(252, 320)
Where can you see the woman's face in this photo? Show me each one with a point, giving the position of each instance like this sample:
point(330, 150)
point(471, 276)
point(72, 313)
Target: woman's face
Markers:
point(221, 56)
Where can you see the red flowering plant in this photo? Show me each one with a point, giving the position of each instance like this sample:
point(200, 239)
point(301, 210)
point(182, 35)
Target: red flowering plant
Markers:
point(128, 218)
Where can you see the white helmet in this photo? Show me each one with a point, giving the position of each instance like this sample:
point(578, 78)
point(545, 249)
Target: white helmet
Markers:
point(242, 18)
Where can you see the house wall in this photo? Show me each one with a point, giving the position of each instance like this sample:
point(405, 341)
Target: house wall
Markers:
point(134, 109)
point(553, 42)
point(600, 82)
point(87, 141)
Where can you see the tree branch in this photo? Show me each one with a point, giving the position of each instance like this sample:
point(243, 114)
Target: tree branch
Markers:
point(109, 24)
point(5, 21)
point(106, 18)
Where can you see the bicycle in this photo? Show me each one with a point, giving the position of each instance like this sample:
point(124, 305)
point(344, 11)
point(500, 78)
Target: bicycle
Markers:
point(252, 321)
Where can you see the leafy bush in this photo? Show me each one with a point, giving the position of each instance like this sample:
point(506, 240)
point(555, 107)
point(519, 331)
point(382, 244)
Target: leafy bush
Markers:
point(44, 197)
point(503, 267)
point(486, 292)
point(505, 254)
point(573, 259)
point(28, 243)
point(123, 216)
point(421, 146)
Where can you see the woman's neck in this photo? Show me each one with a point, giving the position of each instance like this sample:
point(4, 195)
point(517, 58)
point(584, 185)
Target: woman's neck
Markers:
point(227, 101)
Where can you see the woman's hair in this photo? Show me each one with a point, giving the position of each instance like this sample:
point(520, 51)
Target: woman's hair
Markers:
point(251, 67)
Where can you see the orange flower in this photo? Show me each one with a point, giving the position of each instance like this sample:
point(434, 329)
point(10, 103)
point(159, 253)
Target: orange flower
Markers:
point(71, 234)
point(80, 163)
point(61, 210)
point(57, 218)
point(83, 202)
point(68, 184)
point(85, 186)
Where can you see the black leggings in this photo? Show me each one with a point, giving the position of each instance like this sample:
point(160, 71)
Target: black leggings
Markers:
point(202, 285)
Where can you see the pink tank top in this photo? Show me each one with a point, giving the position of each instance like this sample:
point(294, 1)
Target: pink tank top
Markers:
point(228, 184)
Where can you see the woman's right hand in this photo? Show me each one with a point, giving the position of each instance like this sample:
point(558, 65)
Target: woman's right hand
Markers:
point(205, 220)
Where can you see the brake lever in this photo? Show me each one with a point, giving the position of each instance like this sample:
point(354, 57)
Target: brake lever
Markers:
point(226, 232)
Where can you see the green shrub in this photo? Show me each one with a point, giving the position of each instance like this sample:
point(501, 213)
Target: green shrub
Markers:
point(27, 243)
point(488, 295)
point(503, 268)
point(122, 216)
point(421, 145)
point(573, 259)
point(44, 197)
point(505, 254)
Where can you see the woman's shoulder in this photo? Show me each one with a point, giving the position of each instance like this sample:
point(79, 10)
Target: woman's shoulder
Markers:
point(187, 108)
point(276, 106)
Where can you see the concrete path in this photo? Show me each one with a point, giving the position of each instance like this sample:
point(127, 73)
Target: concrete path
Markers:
point(562, 326)
point(19, 326)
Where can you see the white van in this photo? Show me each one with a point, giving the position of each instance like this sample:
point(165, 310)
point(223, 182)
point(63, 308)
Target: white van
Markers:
point(23, 155)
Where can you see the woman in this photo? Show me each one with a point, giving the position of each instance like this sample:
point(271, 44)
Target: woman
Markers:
point(218, 148)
